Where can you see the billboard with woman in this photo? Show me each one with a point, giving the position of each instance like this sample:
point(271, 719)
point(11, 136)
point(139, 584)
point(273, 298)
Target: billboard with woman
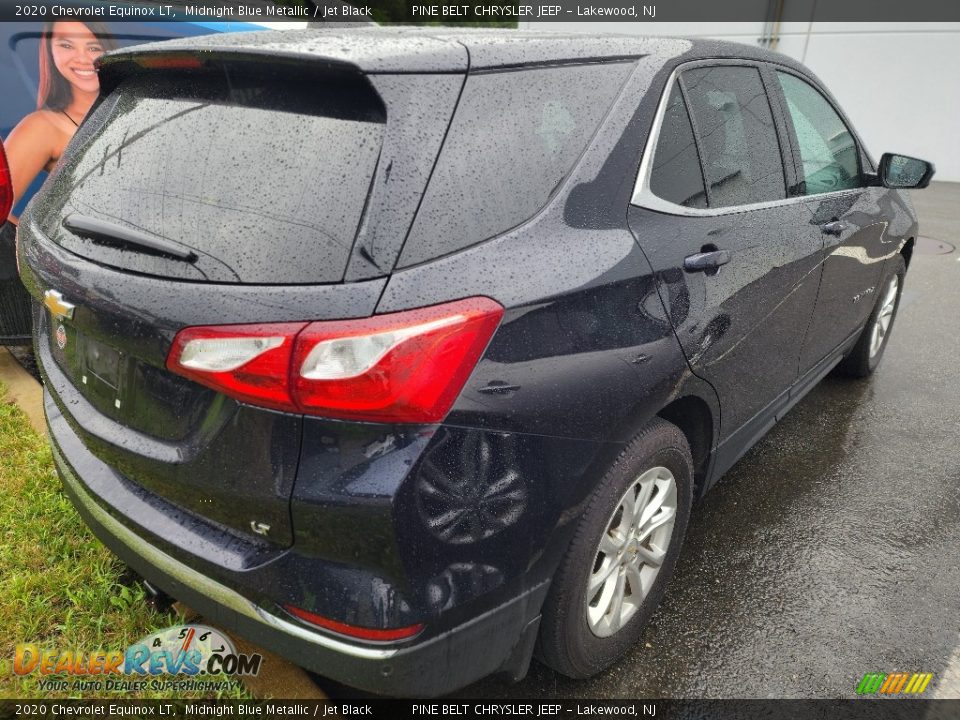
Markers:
point(67, 88)
point(48, 83)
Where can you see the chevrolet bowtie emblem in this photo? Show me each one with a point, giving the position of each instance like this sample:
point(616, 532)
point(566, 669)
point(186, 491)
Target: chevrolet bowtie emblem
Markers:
point(57, 306)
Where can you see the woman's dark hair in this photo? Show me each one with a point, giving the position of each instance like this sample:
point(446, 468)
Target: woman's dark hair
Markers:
point(55, 92)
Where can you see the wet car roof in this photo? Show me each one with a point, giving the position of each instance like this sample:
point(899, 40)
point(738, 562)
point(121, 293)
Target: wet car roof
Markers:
point(431, 49)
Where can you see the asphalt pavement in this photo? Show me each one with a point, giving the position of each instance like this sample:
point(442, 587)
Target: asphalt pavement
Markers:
point(832, 549)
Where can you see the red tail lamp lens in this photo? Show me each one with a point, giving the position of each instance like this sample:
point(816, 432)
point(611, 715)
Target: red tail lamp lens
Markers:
point(362, 633)
point(169, 62)
point(408, 366)
point(6, 186)
point(248, 362)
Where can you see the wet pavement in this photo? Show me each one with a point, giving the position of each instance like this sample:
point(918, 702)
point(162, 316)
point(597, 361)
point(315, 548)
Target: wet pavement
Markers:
point(832, 548)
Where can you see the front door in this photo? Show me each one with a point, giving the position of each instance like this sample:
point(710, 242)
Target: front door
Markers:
point(844, 213)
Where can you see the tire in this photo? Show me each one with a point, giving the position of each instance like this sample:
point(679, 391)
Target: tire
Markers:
point(865, 356)
point(579, 645)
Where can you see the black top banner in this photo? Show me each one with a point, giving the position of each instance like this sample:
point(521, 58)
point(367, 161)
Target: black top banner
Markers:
point(532, 709)
point(472, 11)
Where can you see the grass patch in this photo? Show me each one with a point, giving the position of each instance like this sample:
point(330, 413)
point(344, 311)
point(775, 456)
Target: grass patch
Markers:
point(59, 586)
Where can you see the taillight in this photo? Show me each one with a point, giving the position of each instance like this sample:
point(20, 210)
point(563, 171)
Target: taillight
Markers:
point(400, 367)
point(363, 633)
point(169, 62)
point(6, 187)
point(248, 362)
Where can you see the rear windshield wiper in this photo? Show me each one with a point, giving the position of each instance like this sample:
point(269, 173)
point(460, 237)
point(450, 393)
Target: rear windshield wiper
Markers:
point(109, 233)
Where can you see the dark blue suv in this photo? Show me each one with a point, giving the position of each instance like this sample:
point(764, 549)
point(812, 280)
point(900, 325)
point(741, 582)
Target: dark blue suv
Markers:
point(404, 352)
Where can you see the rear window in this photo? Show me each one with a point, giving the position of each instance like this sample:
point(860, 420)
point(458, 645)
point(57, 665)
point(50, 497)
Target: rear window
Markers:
point(263, 177)
point(515, 137)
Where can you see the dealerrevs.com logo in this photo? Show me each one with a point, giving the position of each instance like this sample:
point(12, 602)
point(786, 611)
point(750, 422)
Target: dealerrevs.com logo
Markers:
point(175, 658)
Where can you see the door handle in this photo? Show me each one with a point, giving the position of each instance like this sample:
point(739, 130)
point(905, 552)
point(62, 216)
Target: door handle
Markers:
point(835, 227)
point(706, 261)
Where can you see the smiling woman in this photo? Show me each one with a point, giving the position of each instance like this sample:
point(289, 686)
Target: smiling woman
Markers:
point(68, 88)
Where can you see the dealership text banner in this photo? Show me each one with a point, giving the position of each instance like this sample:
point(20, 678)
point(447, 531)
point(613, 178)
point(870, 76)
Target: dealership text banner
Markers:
point(452, 11)
point(534, 709)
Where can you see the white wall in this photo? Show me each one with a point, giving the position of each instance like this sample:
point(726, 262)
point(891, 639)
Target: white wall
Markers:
point(898, 82)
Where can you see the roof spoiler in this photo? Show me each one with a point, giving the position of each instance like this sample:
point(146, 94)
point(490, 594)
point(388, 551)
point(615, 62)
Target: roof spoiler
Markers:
point(117, 66)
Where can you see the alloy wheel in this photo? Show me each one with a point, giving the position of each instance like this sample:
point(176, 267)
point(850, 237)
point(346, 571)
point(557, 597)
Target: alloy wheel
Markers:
point(631, 551)
point(882, 324)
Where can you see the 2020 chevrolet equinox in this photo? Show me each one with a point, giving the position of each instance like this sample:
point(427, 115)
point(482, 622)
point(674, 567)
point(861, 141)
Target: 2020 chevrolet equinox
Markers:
point(404, 352)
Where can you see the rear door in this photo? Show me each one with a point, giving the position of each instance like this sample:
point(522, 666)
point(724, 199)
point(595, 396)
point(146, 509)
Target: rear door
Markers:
point(844, 213)
point(736, 267)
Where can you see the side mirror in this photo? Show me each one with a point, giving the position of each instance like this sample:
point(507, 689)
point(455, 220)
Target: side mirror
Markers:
point(900, 171)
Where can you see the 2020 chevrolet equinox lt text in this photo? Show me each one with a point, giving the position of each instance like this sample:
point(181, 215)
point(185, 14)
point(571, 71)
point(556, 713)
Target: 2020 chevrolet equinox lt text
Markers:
point(404, 352)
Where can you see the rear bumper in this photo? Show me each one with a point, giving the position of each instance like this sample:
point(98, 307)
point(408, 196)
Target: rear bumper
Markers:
point(500, 639)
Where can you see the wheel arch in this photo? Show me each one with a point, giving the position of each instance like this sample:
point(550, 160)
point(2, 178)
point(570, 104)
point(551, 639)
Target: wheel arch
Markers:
point(907, 250)
point(695, 418)
point(694, 407)
point(697, 414)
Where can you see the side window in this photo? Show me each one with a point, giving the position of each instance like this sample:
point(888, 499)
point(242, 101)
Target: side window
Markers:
point(731, 116)
point(514, 138)
point(827, 148)
point(676, 175)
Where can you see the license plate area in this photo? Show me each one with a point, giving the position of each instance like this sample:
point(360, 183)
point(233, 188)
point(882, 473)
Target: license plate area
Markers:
point(95, 368)
point(102, 362)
